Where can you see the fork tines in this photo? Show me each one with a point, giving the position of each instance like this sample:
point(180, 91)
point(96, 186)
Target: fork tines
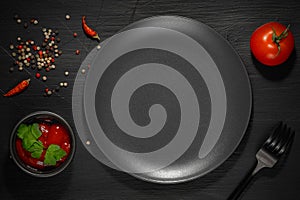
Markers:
point(279, 141)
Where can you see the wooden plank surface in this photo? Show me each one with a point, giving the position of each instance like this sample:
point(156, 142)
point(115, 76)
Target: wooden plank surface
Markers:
point(276, 96)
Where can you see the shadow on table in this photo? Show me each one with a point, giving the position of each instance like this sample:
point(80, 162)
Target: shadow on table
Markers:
point(23, 186)
point(276, 73)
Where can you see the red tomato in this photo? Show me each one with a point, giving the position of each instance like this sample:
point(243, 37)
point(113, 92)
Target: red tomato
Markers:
point(267, 48)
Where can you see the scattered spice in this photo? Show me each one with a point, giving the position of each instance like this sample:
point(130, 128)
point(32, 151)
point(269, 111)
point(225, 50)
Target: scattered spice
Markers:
point(98, 47)
point(11, 69)
point(37, 75)
point(44, 78)
point(68, 17)
point(18, 88)
point(35, 55)
point(89, 31)
point(77, 52)
point(83, 71)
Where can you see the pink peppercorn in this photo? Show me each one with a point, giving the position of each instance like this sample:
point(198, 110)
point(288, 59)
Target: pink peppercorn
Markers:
point(37, 75)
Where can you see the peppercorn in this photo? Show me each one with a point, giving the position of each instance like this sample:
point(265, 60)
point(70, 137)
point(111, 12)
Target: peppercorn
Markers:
point(65, 84)
point(11, 69)
point(61, 84)
point(35, 22)
point(25, 25)
point(66, 73)
point(68, 17)
point(44, 78)
point(77, 52)
point(37, 75)
point(19, 21)
point(49, 93)
point(74, 34)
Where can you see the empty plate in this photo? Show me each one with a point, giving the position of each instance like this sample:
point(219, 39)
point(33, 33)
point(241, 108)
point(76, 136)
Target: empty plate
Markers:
point(166, 99)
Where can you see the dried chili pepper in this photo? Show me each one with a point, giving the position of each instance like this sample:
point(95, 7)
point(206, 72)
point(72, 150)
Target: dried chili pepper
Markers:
point(89, 31)
point(18, 88)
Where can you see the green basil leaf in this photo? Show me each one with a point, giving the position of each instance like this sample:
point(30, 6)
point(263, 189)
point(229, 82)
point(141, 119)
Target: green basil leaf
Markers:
point(58, 154)
point(37, 153)
point(49, 159)
point(53, 147)
point(37, 145)
point(29, 135)
point(28, 141)
point(22, 130)
point(53, 154)
point(35, 130)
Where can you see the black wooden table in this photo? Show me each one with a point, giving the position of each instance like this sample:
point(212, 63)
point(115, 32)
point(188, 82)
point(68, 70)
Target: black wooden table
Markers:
point(276, 96)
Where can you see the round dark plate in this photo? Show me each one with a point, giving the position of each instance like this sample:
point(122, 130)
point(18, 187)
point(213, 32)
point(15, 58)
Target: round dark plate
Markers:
point(166, 99)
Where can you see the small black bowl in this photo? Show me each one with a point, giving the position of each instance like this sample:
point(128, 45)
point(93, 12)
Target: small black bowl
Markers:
point(37, 117)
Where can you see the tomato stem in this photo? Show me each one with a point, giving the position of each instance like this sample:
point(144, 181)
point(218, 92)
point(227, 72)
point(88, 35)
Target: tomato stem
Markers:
point(277, 39)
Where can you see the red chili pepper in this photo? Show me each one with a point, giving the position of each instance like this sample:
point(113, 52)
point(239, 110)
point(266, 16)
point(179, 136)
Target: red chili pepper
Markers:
point(18, 88)
point(89, 31)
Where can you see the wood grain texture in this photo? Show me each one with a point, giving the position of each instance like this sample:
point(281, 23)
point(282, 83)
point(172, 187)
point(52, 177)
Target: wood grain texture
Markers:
point(276, 96)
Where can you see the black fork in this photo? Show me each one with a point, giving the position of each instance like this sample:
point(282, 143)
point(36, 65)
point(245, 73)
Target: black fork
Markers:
point(268, 155)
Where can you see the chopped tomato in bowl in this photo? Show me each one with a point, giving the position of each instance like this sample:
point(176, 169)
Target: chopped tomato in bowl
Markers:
point(42, 144)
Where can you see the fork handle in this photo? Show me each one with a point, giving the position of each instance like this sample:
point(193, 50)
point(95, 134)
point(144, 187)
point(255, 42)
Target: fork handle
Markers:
point(245, 181)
